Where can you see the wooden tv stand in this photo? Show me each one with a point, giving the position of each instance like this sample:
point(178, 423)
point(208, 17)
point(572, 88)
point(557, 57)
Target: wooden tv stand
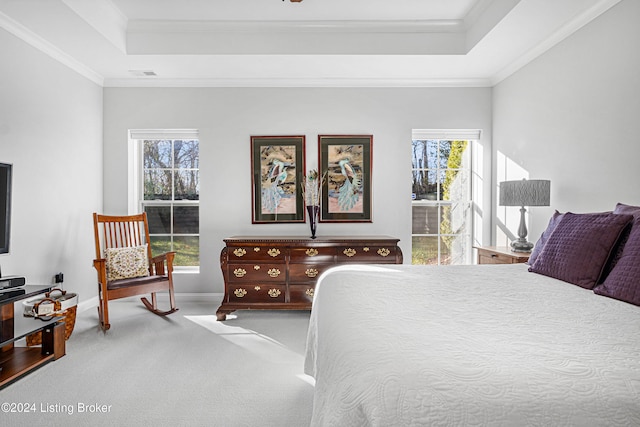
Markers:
point(280, 273)
point(18, 361)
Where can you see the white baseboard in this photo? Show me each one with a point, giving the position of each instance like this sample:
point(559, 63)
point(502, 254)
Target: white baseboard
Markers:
point(190, 297)
point(86, 305)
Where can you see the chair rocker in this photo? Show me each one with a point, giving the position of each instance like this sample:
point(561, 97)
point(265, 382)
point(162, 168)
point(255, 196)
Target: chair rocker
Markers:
point(125, 265)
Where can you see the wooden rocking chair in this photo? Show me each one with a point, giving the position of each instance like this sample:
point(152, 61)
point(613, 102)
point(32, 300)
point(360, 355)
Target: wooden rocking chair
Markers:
point(125, 266)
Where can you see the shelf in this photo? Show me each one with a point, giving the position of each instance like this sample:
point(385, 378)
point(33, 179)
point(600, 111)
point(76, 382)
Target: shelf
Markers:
point(23, 292)
point(20, 360)
point(22, 326)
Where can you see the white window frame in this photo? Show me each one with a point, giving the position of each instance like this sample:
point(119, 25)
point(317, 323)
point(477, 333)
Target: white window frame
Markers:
point(136, 175)
point(472, 136)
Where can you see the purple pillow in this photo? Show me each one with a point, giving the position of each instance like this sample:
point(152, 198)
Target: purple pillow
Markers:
point(621, 209)
point(623, 282)
point(579, 247)
point(553, 222)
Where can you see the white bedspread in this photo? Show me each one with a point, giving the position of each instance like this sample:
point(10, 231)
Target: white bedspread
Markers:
point(469, 345)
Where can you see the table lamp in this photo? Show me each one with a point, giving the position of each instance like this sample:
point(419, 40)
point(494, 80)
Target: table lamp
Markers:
point(534, 192)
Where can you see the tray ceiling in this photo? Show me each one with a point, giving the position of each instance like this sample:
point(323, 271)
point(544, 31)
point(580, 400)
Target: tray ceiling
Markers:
point(313, 43)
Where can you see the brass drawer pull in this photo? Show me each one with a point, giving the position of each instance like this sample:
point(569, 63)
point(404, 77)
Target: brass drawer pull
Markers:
point(257, 288)
point(239, 272)
point(239, 252)
point(349, 252)
point(240, 292)
point(366, 249)
point(274, 293)
point(384, 252)
point(256, 267)
point(274, 252)
point(256, 249)
point(273, 272)
point(311, 252)
point(309, 292)
point(311, 272)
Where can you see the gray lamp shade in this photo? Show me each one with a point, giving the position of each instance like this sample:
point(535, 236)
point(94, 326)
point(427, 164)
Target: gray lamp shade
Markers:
point(533, 192)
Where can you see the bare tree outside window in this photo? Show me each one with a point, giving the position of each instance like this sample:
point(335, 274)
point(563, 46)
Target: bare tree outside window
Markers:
point(171, 193)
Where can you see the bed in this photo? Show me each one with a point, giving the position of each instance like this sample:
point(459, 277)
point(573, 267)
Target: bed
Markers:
point(494, 345)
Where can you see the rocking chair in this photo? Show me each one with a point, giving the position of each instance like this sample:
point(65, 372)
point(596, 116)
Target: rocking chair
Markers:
point(125, 266)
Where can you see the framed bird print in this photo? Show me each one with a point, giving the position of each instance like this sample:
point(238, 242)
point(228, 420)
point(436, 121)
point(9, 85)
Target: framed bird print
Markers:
point(277, 170)
point(346, 192)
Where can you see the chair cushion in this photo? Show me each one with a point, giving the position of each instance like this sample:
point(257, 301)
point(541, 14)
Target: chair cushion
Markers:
point(125, 283)
point(125, 263)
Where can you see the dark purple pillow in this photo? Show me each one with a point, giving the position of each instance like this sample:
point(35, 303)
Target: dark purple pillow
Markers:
point(621, 208)
point(579, 247)
point(623, 282)
point(553, 222)
point(616, 253)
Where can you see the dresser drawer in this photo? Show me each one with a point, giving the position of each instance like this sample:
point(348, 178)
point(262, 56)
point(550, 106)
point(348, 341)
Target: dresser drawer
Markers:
point(257, 293)
point(301, 293)
point(302, 273)
point(367, 254)
point(313, 255)
point(256, 253)
point(493, 259)
point(493, 255)
point(247, 272)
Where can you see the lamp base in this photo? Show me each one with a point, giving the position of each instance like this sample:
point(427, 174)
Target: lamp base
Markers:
point(521, 245)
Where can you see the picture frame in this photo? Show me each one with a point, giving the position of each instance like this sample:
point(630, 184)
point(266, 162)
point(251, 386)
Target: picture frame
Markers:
point(345, 161)
point(277, 171)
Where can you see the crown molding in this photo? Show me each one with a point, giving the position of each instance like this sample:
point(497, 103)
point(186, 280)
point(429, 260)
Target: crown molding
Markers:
point(44, 46)
point(396, 26)
point(476, 11)
point(300, 82)
point(565, 31)
point(104, 17)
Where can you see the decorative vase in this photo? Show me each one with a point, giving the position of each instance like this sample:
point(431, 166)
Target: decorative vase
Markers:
point(313, 211)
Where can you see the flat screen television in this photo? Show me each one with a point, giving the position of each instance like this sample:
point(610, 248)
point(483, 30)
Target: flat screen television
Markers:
point(5, 207)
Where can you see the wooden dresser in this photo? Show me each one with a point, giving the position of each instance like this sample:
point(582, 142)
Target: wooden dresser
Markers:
point(280, 273)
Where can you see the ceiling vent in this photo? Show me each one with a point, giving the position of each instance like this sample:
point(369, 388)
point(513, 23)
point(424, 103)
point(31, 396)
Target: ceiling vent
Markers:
point(143, 73)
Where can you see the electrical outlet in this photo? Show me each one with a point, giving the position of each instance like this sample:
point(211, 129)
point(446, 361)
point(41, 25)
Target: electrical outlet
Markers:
point(59, 278)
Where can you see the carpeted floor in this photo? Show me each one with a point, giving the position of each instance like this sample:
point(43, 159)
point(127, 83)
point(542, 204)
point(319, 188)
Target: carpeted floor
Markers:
point(185, 369)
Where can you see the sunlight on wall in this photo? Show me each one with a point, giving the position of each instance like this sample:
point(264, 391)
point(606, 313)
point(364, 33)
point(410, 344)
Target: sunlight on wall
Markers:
point(507, 217)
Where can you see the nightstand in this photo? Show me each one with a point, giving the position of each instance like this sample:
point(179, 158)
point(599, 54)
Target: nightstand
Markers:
point(500, 255)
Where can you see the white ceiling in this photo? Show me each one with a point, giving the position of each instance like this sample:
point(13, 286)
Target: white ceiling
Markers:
point(307, 10)
point(361, 43)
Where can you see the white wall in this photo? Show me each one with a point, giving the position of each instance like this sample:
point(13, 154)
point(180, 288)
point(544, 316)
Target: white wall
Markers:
point(567, 116)
point(51, 131)
point(227, 118)
point(571, 116)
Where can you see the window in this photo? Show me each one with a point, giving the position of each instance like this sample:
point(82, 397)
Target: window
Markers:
point(441, 197)
point(167, 188)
